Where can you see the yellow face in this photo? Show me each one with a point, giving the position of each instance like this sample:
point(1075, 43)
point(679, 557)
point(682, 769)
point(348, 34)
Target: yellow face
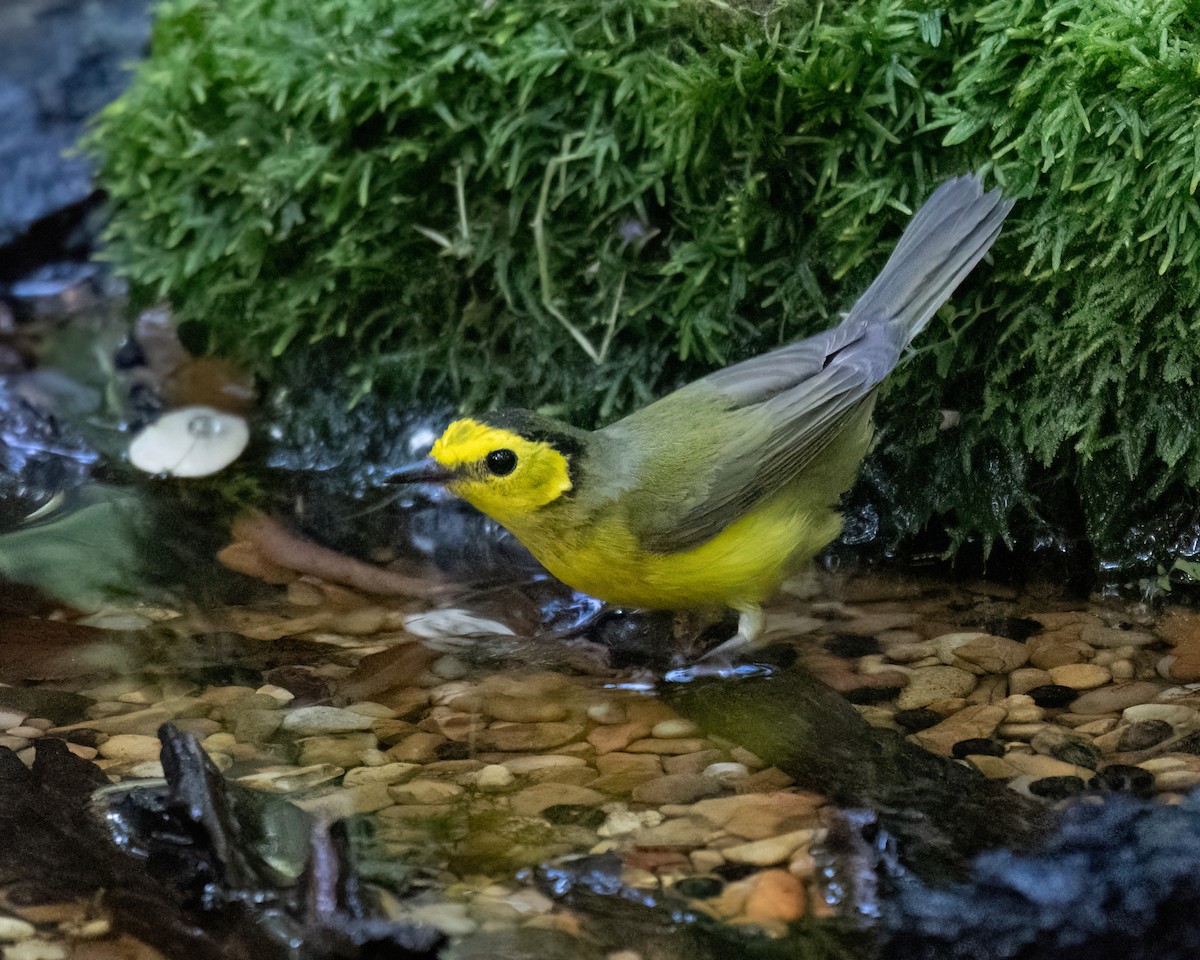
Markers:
point(500, 472)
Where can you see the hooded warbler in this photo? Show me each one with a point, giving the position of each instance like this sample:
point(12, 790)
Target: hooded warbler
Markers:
point(714, 494)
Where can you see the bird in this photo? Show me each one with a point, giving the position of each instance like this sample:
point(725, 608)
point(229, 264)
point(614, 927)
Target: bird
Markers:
point(713, 495)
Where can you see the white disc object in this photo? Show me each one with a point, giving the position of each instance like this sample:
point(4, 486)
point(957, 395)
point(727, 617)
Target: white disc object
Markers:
point(190, 442)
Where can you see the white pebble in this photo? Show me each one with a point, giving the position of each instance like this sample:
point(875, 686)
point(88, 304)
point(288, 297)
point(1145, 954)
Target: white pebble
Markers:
point(14, 929)
point(449, 667)
point(494, 776)
point(607, 713)
point(725, 773)
point(674, 729)
point(36, 950)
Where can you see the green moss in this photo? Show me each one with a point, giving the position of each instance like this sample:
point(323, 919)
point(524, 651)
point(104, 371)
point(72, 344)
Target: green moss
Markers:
point(579, 206)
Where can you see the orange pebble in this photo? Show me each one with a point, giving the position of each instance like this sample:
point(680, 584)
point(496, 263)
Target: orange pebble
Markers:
point(776, 895)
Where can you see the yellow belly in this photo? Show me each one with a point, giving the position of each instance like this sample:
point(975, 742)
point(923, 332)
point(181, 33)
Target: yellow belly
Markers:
point(741, 566)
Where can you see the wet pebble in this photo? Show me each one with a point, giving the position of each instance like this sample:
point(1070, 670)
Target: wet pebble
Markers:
point(1056, 788)
point(417, 748)
point(387, 773)
point(978, 746)
point(130, 747)
point(524, 710)
point(927, 685)
point(676, 788)
point(1080, 676)
point(917, 719)
point(1053, 695)
point(775, 895)
point(699, 888)
point(494, 776)
point(1127, 778)
point(970, 723)
point(1117, 697)
point(768, 851)
point(311, 721)
point(1143, 735)
point(673, 746)
point(674, 729)
point(1099, 636)
point(527, 737)
point(424, 792)
point(532, 800)
point(342, 750)
point(1176, 715)
point(14, 930)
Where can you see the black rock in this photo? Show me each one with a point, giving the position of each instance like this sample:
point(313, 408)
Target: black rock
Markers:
point(851, 645)
point(1126, 778)
point(1053, 695)
point(1014, 628)
point(1056, 788)
point(699, 888)
point(920, 718)
point(977, 746)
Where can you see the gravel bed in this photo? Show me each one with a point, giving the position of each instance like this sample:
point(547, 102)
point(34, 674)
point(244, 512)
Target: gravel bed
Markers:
point(471, 773)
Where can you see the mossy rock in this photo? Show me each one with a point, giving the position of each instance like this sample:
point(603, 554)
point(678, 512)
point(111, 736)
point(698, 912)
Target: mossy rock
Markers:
point(579, 206)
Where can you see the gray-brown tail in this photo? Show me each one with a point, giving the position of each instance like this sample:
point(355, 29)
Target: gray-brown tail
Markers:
point(951, 233)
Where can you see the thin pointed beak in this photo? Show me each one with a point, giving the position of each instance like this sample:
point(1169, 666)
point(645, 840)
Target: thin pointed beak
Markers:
point(423, 471)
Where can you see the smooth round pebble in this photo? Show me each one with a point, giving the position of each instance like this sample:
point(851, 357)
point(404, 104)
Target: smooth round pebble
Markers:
point(311, 721)
point(1080, 676)
point(1175, 714)
point(130, 747)
point(14, 929)
point(726, 771)
point(673, 729)
point(775, 895)
point(607, 713)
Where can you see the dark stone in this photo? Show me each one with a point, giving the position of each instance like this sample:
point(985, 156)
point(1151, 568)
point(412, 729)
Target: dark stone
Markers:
point(60, 63)
point(574, 815)
point(1144, 734)
point(851, 645)
point(733, 872)
point(920, 718)
point(1126, 778)
point(453, 750)
point(1014, 628)
point(1079, 752)
point(699, 888)
point(864, 694)
point(1056, 788)
point(1189, 744)
point(977, 746)
point(1053, 695)
point(56, 705)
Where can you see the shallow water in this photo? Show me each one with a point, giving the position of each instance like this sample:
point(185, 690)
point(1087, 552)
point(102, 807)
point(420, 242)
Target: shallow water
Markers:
point(510, 764)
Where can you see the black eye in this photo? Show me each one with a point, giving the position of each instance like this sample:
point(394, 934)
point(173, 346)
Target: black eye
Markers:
point(502, 462)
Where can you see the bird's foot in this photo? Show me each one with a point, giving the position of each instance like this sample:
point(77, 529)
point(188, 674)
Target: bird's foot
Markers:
point(719, 661)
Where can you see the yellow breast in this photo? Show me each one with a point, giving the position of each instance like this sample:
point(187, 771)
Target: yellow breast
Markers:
point(742, 565)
